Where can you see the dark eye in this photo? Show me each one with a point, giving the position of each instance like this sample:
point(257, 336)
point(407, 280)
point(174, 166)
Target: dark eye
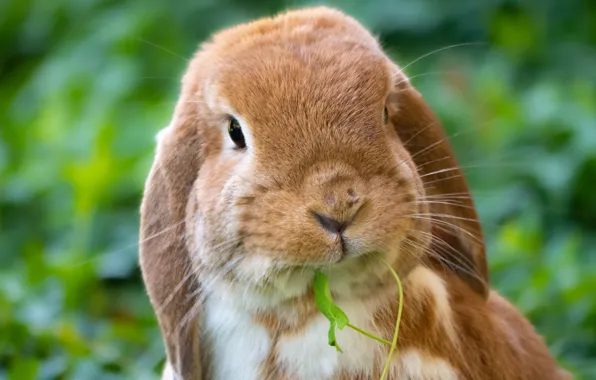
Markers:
point(236, 134)
point(385, 115)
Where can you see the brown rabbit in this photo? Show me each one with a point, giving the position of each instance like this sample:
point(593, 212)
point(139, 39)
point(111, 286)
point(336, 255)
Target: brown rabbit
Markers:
point(298, 145)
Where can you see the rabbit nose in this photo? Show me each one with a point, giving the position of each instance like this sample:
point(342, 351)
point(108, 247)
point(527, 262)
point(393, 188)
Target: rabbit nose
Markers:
point(338, 208)
point(330, 224)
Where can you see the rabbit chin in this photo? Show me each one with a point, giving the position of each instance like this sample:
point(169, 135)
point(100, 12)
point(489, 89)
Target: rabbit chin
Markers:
point(260, 282)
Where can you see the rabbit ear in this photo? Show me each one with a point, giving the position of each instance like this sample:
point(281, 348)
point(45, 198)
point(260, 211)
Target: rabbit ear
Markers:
point(164, 257)
point(458, 241)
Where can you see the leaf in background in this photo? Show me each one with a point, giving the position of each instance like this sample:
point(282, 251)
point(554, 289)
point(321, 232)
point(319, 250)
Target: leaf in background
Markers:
point(324, 301)
point(23, 369)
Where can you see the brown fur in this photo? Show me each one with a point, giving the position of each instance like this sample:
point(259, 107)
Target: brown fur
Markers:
point(311, 85)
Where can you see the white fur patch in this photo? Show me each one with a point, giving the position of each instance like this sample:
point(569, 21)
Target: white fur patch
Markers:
point(416, 366)
point(159, 139)
point(164, 131)
point(168, 373)
point(308, 356)
point(254, 269)
point(238, 346)
point(281, 284)
point(424, 278)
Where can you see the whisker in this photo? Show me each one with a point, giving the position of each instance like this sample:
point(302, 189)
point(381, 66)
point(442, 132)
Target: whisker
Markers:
point(442, 179)
point(441, 223)
point(432, 146)
point(471, 166)
point(157, 77)
point(192, 312)
point(124, 249)
point(176, 289)
point(449, 264)
point(223, 271)
point(440, 171)
point(464, 265)
point(447, 216)
point(454, 200)
point(447, 203)
point(428, 73)
point(461, 195)
point(418, 133)
point(162, 48)
point(418, 167)
point(437, 51)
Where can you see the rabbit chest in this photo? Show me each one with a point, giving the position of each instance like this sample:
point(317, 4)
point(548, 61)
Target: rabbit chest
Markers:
point(239, 347)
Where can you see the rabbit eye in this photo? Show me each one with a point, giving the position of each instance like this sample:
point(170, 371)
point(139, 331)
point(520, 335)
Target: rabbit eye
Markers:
point(385, 115)
point(235, 132)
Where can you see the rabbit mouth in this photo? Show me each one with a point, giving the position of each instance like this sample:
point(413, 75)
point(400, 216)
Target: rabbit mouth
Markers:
point(352, 277)
point(275, 274)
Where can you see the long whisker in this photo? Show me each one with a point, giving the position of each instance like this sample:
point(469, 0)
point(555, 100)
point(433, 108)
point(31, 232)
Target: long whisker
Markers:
point(176, 289)
point(408, 79)
point(429, 147)
point(448, 216)
point(191, 274)
point(189, 315)
point(449, 264)
point(418, 167)
point(442, 179)
point(446, 249)
point(454, 200)
point(464, 266)
point(187, 277)
point(478, 166)
point(456, 196)
point(460, 195)
point(222, 271)
point(440, 171)
point(437, 51)
point(124, 249)
point(418, 133)
point(441, 223)
point(162, 48)
point(451, 203)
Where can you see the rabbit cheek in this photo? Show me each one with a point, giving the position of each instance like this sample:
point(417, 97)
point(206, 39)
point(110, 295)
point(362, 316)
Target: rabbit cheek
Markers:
point(215, 240)
point(276, 224)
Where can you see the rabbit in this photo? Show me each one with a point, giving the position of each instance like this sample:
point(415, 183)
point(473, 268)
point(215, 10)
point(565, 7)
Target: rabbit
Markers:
point(298, 145)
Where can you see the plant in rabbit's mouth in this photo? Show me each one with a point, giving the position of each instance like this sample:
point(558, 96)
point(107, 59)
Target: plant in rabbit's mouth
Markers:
point(338, 319)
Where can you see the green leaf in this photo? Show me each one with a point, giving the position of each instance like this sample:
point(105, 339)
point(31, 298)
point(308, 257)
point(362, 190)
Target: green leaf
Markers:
point(331, 339)
point(23, 369)
point(324, 301)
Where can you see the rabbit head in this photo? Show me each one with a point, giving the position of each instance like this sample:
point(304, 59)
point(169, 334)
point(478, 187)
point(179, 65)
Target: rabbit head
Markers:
point(296, 145)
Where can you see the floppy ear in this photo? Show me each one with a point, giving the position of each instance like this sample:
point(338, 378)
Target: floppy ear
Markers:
point(457, 235)
point(164, 257)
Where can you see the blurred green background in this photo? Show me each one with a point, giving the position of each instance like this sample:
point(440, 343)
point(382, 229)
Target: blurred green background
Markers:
point(86, 84)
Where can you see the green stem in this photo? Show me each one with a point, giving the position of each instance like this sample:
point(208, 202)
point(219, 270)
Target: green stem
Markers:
point(400, 307)
point(371, 336)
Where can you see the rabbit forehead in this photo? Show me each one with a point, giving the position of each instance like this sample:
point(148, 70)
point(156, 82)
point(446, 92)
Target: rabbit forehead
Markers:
point(327, 77)
point(312, 58)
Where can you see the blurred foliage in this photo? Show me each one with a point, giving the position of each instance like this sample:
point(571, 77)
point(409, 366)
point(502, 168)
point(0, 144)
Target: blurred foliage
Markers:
point(86, 84)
